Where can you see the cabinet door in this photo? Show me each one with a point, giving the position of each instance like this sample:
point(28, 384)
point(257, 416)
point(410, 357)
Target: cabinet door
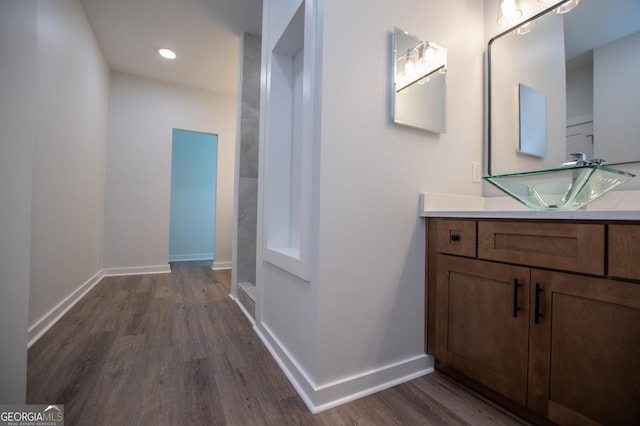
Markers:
point(624, 251)
point(585, 349)
point(482, 322)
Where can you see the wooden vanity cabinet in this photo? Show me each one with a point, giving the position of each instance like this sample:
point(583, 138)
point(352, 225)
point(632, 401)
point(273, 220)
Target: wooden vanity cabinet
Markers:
point(534, 317)
point(584, 362)
point(482, 323)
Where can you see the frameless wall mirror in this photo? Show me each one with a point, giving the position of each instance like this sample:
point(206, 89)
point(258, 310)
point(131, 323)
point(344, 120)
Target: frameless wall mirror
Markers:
point(585, 63)
point(419, 76)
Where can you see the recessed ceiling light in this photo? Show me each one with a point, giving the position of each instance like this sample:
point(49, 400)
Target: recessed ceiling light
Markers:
point(167, 53)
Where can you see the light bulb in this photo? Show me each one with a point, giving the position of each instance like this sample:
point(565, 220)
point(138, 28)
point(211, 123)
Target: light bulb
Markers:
point(568, 6)
point(409, 65)
point(525, 28)
point(441, 56)
point(509, 11)
point(430, 54)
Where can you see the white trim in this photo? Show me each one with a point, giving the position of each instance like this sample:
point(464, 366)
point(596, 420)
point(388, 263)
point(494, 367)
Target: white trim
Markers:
point(288, 260)
point(367, 383)
point(221, 265)
point(137, 270)
point(53, 316)
point(302, 383)
point(188, 257)
point(244, 311)
point(323, 397)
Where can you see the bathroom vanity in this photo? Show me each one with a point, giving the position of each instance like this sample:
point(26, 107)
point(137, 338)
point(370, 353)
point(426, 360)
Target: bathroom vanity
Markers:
point(540, 310)
point(542, 315)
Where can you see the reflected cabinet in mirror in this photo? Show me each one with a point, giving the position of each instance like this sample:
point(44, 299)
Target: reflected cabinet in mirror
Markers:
point(582, 68)
point(419, 75)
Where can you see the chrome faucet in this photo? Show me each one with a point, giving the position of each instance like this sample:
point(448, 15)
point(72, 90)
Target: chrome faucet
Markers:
point(577, 159)
point(580, 159)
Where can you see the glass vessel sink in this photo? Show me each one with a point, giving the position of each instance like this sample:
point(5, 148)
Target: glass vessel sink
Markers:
point(566, 188)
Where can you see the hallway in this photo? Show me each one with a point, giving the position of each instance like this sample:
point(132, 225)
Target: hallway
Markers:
point(174, 349)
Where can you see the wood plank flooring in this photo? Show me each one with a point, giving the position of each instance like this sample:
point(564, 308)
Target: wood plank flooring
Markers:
point(174, 349)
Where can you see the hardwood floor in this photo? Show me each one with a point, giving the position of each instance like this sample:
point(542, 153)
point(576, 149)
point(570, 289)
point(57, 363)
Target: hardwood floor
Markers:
point(174, 349)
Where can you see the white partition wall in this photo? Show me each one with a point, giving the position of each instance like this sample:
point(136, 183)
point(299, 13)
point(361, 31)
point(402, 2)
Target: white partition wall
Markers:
point(286, 290)
point(346, 319)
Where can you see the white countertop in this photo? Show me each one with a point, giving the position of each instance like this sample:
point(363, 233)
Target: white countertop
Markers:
point(616, 205)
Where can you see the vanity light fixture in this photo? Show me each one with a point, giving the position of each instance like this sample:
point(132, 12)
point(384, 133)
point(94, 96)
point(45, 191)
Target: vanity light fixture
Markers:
point(568, 6)
point(420, 61)
point(167, 53)
point(564, 7)
point(508, 11)
point(525, 28)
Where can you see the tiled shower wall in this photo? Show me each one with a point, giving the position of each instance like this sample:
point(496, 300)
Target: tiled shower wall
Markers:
point(248, 181)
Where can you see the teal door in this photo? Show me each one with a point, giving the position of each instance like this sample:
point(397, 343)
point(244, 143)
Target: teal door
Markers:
point(194, 159)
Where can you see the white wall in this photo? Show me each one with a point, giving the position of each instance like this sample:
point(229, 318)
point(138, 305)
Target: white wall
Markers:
point(68, 180)
point(142, 114)
point(18, 42)
point(616, 100)
point(285, 304)
point(357, 325)
point(580, 90)
point(371, 240)
point(54, 100)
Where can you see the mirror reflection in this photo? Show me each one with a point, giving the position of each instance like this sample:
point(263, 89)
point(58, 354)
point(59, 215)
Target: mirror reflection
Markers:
point(419, 82)
point(585, 63)
point(533, 122)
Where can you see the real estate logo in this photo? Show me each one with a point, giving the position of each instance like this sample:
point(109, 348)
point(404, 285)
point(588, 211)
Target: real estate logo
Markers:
point(31, 415)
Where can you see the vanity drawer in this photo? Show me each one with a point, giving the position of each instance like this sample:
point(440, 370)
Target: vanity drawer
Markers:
point(624, 251)
point(564, 246)
point(456, 237)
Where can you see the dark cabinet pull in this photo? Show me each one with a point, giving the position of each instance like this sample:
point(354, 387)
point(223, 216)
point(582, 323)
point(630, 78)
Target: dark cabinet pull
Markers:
point(515, 297)
point(538, 315)
point(455, 237)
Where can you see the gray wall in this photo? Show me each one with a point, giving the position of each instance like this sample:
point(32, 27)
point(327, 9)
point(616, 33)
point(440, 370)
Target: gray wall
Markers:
point(248, 171)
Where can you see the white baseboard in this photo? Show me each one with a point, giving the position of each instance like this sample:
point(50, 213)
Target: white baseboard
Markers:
point(47, 321)
point(189, 257)
point(323, 397)
point(221, 265)
point(137, 270)
point(244, 311)
point(301, 382)
point(358, 386)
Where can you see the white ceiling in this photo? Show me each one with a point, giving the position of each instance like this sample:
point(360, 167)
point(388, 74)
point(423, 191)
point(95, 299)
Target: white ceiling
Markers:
point(205, 34)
